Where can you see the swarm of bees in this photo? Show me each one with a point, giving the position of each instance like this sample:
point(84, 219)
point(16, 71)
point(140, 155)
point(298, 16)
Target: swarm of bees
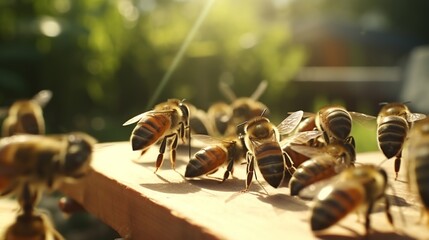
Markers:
point(31, 163)
point(305, 151)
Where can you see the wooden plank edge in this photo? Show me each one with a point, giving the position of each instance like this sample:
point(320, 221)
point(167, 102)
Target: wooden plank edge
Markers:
point(119, 200)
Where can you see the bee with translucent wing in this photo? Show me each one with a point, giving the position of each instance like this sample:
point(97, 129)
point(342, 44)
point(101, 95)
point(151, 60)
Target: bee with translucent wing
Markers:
point(168, 120)
point(43, 161)
point(26, 116)
point(336, 122)
point(418, 160)
point(209, 159)
point(262, 140)
point(30, 164)
point(30, 224)
point(325, 162)
point(356, 188)
point(393, 124)
point(243, 108)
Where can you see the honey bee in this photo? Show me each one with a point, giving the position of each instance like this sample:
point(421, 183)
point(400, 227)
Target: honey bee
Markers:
point(219, 115)
point(325, 162)
point(32, 226)
point(214, 122)
point(243, 108)
point(198, 121)
point(418, 168)
point(42, 161)
point(357, 187)
point(167, 121)
point(209, 159)
point(336, 122)
point(26, 116)
point(306, 134)
point(393, 124)
point(262, 140)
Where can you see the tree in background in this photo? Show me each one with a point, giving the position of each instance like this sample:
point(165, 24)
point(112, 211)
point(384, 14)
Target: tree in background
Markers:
point(104, 59)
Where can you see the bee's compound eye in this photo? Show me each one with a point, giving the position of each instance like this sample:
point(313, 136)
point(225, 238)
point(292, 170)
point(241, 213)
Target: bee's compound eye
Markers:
point(261, 131)
point(77, 156)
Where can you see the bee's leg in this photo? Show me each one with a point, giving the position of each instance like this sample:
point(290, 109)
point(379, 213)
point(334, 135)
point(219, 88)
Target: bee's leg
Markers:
point(182, 132)
point(350, 140)
point(143, 151)
point(398, 164)
point(229, 170)
point(326, 137)
point(249, 170)
point(50, 228)
point(28, 199)
point(367, 219)
point(173, 151)
point(290, 167)
point(388, 214)
point(160, 157)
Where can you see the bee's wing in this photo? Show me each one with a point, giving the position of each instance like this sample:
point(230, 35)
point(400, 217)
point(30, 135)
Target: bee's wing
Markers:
point(205, 139)
point(300, 138)
point(312, 190)
point(134, 119)
point(415, 117)
point(363, 119)
point(307, 150)
point(306, 114)
point(43, 97)
point(290, 123)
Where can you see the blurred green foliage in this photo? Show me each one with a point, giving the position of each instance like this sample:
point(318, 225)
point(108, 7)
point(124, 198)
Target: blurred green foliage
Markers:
point(104, 59)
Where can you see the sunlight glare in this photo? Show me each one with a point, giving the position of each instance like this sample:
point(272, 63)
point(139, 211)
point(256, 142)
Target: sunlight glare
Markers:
point(50, 27)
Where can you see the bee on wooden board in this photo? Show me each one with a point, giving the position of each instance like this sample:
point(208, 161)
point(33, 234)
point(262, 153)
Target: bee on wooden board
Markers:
point(43, 161)
point(219, 115)
point(357, 188)
point(336, 122)
point(306, 134)
point(209, 159)
point(167, 121)
point(325, 162)
point(262, 140)
point(418, 163)
point(243, 108)
point(26, 116)
point(198, 121)
point(30, 224)
point(393, 124)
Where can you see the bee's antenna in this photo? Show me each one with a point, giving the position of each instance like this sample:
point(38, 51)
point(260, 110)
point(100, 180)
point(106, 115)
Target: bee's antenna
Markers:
point(382, 103)
point(227, 91)
point(264, 111)
point(259, 90)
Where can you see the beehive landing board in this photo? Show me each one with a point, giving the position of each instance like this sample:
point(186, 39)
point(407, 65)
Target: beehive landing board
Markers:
point(124, 192)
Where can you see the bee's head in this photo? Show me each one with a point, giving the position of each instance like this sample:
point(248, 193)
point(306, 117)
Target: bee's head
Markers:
point(78, 154)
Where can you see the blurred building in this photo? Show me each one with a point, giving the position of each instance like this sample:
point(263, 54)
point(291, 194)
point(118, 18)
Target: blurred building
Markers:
point(348, 62)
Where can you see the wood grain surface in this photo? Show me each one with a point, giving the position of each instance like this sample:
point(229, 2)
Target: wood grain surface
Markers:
point(124, 192)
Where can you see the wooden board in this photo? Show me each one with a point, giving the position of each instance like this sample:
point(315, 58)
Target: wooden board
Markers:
point(139, 204)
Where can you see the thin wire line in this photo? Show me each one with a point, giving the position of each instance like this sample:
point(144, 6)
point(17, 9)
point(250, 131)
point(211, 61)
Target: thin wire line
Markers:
point(180, 53)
